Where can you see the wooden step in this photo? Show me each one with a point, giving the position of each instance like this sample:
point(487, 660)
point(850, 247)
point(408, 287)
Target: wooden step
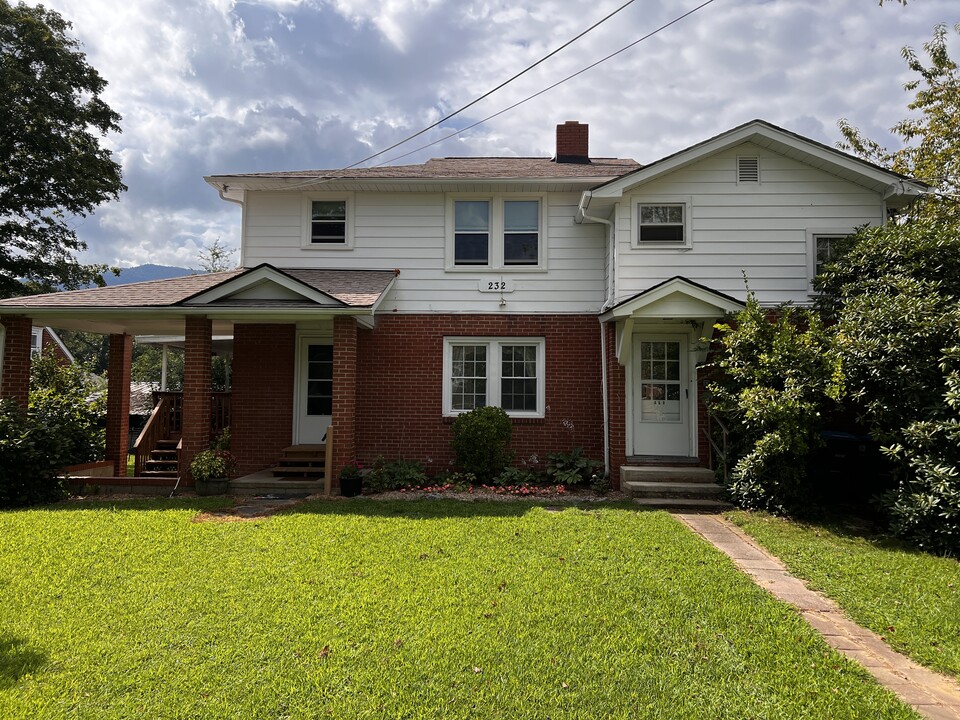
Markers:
point(161, 473)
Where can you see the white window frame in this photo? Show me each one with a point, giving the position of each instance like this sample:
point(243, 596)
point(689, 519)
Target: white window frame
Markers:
point(812, 235)
point(496, 231)
point(307, 218)
point(495, 347)
point(685, 201)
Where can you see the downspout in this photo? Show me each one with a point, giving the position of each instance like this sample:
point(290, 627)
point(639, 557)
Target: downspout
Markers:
point(579, 218)
point(243, 211)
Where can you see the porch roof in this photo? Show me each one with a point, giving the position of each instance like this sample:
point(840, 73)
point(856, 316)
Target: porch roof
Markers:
point(263, 293)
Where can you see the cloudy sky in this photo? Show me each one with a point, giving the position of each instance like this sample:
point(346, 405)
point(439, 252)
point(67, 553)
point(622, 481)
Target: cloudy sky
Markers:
point(219, 86)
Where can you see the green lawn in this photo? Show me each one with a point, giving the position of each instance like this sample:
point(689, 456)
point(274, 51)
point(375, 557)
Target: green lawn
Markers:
point(910, 598)
point(425, 609)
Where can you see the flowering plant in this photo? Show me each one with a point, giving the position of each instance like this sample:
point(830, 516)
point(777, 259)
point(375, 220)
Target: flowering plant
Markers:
point(351, 471)
point(210, 465)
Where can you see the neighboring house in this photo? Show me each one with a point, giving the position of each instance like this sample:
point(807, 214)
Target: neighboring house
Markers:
point(45, 339)
point(377, 304)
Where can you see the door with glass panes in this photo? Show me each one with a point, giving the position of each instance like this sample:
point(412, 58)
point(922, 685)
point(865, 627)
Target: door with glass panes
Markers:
point(314, 390)
point(661, 397)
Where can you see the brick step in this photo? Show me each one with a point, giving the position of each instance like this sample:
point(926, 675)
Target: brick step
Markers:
point(659, 489)
point(660, 473)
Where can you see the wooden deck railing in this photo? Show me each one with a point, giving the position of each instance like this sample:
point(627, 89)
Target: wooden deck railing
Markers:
point(219, 410)
point(156, 429)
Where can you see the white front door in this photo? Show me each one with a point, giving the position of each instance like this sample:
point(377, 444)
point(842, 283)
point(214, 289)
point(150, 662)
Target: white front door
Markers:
point(661, 396)
point(314, 390)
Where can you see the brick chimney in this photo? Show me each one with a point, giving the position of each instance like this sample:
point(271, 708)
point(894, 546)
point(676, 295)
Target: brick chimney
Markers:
point(573, 142)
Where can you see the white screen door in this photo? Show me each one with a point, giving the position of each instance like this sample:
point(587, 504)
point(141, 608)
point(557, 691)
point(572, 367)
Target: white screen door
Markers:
point(314, 390)
point(661, 403)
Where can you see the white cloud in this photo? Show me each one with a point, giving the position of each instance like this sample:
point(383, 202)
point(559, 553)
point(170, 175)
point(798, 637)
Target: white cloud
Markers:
point(215, 86)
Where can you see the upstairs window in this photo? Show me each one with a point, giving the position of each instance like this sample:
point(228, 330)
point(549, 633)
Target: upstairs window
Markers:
point(472, 232)
point(495, 233)
point(521, 232)
point(328, 222)
point(662, 224)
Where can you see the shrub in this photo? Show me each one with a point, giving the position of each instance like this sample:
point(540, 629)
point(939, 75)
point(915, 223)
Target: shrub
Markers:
point(778, 378)
point(512, 476)
point(481, 442)
point(30, 459)
point(212, 465)
point(572, 468)
point(66, 398)
point(394, 475)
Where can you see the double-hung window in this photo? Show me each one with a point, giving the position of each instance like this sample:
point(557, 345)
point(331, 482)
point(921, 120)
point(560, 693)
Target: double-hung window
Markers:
point(327, 222)
point(822, 248)
point(495, 233)
point(505, 372)
point(663, 223)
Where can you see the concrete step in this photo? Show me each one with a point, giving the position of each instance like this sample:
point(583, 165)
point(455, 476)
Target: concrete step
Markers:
point(683, 503)
point(661, 473)
point(264, 484)
point(294, 471)
point(659, 489)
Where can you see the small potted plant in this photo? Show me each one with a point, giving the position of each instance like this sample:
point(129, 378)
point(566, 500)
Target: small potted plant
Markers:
point(351, 480)
point(211, 470)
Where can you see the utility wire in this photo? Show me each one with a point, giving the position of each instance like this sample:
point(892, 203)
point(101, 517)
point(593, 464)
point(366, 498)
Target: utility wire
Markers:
point(491, 92)
point(333, 175)
point(546, 89)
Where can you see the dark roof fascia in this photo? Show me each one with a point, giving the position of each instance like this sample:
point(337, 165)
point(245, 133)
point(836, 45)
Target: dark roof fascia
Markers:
point(681, 278)
point(267, 266)
point(775, 128)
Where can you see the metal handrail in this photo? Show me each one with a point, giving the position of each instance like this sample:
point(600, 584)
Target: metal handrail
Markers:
point(721, 452)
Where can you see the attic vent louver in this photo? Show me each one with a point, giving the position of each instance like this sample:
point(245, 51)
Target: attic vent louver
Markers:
point(748, 169)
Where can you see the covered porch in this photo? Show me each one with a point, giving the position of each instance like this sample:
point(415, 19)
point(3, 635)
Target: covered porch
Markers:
point(293, 340)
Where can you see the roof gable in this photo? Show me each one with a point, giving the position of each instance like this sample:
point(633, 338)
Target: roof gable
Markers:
point(260, 285)
point(778, 140)
point(674, 298)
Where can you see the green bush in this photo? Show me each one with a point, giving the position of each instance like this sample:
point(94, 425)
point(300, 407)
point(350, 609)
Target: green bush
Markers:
point(779, 376)
point(30, 459)
point(515, 476)
point(394, 475)
point(572, 468)
point(212, 464)
point(481, 442)
point(69, 400)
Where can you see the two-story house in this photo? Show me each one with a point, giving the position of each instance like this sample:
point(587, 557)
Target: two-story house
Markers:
point(374, 305)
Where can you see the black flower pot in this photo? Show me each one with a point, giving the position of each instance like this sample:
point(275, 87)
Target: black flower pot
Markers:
point(350, 487)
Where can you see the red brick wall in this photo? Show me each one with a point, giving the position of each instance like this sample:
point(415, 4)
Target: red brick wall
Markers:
point(198, 346)
point(264, 361)
point(118, 401)
point(399, 387)
point(15, 380)
point(344, 427)
point(616, 403)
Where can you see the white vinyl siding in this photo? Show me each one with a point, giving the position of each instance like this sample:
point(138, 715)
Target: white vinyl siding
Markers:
point(757, 230)
point(407, 231)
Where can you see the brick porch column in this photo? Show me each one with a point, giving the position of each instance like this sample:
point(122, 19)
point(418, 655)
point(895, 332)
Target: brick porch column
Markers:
point(344, 422)
point(616, 405)
point(15, 372)
point(118, 402)
point(198, 346)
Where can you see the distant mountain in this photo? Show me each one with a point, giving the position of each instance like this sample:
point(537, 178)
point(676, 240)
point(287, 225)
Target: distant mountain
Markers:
point(141, 273)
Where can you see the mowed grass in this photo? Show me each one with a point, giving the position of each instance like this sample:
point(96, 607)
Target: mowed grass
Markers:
point(424, 609)
point(910, 598)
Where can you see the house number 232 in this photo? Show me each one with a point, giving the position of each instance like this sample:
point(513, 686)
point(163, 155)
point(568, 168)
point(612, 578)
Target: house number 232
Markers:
point(496, 286)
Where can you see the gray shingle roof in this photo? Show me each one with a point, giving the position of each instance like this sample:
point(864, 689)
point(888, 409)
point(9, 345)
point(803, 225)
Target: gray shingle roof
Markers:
point(498, 168)
point(354, 288)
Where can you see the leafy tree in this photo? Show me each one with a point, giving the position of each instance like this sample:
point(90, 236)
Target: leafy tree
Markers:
point(931, 151)
point(52, 167)
point(216, 257)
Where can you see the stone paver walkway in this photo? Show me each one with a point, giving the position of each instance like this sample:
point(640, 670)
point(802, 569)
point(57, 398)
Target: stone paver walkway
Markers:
point(931, 694)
